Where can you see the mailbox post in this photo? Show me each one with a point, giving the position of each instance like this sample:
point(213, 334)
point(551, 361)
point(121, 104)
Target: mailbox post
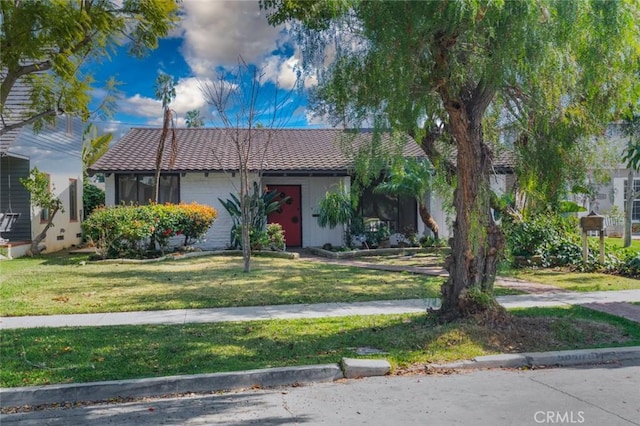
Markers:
point(592, 222)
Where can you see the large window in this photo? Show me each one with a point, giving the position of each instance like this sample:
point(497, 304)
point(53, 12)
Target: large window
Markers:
point(635, 214)
point(400, 213)
point(140, 189)
point(73, 200)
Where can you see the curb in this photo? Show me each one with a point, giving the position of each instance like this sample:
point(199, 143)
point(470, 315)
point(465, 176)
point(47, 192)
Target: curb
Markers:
point(548, 359)
point(283, 376)
point(138, 388)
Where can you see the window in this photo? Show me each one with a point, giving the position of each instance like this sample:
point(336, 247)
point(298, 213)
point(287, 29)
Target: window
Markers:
point(400, 213)
point(635, 214)
point(73, 200)
point(44, 213)
point(140, 189)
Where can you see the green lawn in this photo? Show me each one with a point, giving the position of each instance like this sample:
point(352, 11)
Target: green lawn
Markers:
point(62, 285)
point(618, 242)
point(574, 281)
point(82, 354)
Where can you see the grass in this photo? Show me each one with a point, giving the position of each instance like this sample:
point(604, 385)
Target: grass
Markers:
point(62, 285)
point(574, 281)
point(71, 355)
point(619, 242)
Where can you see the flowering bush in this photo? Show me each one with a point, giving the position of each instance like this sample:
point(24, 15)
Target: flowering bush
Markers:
point(126, 230)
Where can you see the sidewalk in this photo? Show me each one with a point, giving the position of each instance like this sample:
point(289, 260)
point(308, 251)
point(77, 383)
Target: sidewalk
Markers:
point(321, 310)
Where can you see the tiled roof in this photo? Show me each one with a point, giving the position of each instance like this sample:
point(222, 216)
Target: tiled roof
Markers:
point(290, 150)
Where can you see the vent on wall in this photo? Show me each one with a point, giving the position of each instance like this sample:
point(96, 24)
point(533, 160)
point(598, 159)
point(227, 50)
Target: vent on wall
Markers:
point(60, 237)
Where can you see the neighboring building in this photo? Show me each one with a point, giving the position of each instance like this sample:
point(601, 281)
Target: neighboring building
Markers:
point(610, 199)
point(55, 150)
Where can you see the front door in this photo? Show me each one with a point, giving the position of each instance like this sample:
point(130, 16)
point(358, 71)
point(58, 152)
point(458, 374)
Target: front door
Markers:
point(289, 215)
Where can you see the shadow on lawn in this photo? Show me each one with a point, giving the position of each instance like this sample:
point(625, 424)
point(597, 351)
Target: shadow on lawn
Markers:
point(110, 353)
point(201, 284)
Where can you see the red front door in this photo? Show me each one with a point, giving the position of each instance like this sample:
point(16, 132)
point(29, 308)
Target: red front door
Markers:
point(289, 215)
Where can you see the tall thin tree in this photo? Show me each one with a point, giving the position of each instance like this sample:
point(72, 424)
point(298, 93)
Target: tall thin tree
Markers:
point(249, 113)
point(165, 92)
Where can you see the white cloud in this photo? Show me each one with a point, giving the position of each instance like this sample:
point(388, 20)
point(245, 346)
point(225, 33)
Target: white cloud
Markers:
point(188, 97)
point(141, 106)
point(286, 71)
point(216, 33)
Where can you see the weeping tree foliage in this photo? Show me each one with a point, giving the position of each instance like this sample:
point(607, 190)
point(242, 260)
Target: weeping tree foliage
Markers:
point(442, 72)
point(45, 43)
point(411, 177)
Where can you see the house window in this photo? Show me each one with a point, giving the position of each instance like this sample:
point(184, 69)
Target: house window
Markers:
point(400, 213)
point(635, 214)
point(140, 189)
point(73, 200)
point(44, 213)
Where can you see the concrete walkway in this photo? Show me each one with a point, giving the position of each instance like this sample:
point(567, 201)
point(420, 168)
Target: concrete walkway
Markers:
point(321, 310)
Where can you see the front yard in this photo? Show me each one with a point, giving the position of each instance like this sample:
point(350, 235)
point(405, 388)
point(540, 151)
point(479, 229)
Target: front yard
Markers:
point(575, 281)
point(69, 285)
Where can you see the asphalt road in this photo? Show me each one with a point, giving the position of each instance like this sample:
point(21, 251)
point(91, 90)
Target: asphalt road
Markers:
point(592, 395)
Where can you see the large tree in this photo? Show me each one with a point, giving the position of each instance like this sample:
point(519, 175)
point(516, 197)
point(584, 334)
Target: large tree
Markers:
point(44, 44)
point(448, 71)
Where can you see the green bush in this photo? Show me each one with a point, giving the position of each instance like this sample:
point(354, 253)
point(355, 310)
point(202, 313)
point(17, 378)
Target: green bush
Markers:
point(275, 233)
point(126, 231)
point(92, 198)
point(558, 242)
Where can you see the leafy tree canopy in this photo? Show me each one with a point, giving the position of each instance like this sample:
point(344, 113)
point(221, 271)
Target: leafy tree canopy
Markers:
point(45, 42)
point(454, 73)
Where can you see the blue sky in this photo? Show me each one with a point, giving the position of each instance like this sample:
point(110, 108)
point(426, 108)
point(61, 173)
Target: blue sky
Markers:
point(209, 39)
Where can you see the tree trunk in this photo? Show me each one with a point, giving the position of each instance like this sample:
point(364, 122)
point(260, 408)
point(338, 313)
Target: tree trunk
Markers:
point(427, 219)
point(628, 213)
point(476, 238)
point(245, 219)
point(160, 153)
point(34, 250)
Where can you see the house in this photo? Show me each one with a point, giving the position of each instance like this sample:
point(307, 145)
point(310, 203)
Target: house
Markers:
point(56, 151)
point(302, 163)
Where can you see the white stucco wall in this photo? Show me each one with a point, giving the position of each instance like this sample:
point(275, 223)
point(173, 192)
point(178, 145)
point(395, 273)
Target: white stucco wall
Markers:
point(65, 233)
point(207, 189)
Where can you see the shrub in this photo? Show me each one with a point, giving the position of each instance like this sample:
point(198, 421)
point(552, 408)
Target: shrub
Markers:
point(275, 233)
point(92, 198)
point(125, 230)
point(558, 242)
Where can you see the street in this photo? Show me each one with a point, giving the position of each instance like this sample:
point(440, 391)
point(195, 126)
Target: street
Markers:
point(595, 395)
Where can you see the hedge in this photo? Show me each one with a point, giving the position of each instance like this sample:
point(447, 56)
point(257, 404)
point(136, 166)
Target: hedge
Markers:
point(134, 231)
